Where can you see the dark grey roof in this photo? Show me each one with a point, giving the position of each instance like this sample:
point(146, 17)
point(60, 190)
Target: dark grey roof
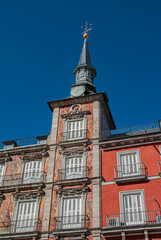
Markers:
point(85, 57)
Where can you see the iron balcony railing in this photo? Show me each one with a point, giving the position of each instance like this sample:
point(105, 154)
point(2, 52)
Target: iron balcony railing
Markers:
point(23, 142)
point(73, 172)
point(134, 218)
point(74, 135)
point(71, 222)
point(159, 164)
point(19, 226)
point(131, 131)
point(130, 170)
point(25, 178)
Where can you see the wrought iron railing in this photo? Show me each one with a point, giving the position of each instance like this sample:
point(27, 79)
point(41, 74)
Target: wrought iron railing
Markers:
point(130, 170)
point(19, 226)
point(73, 172)
point(74, 135)
point(131, 131)
point(159, 164)
point(25, 178)
point(71, 222)
point(134, 218)
point(23, 142)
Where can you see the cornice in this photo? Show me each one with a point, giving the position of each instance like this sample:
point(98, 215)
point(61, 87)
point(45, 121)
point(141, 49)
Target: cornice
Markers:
point(145, 139)
point(23, 150)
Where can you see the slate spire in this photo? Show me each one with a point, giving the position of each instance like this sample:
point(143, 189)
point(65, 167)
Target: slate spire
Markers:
point(85, 57)
point(84, 73)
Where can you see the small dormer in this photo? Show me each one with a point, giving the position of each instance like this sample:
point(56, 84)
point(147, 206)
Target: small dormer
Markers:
point(42, 139)
point(10, 144)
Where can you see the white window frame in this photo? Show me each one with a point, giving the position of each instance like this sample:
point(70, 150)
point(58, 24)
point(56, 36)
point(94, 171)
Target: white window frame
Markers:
point(72, 153)
point(69, 218)
point(23, 199)
point(24, 222)
point(74, 170)
point(81, 131)
point(119, 164)
point(122, 209)
point(30, 179)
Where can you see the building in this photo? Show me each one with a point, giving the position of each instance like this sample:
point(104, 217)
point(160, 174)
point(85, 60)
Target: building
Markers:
point(67, 185)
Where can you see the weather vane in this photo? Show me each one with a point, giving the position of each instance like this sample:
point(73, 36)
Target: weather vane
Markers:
point(85, 34)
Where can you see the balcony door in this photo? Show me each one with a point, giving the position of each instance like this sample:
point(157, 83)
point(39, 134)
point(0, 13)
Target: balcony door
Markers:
point(74, 168)
point(71, 213)
point(32, 172)
point(133, 209)
point(130, 165)
point(26, 217)
point(75, 129)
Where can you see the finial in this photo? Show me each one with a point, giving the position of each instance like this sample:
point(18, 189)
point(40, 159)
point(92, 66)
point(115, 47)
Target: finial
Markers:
point(85, 34)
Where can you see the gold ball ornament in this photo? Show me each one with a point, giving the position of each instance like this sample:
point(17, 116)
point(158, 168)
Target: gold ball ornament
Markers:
point(85, 35)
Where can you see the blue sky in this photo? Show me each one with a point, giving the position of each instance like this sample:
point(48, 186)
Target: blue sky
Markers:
point(40, 45)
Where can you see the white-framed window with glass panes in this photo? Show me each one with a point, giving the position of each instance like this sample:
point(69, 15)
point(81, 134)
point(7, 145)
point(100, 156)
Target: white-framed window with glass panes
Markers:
point(32, 171)
point(129, 163)
point(74, 167)
point(132, 206)
point(26, 217)
point(76, 129)
point(71, 214)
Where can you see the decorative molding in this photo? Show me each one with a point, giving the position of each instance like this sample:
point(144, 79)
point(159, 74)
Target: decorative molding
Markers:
point(75, 115)
point(5, 158)
point(72, 191)
point(76, 108)
point(74, 151)
point(28, 195)
point(34, 156)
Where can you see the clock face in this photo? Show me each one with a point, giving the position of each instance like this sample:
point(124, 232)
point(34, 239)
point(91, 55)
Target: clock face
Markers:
point(77, 91)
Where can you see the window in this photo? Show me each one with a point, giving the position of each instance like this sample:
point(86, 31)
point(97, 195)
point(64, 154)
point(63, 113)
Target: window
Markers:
point(32, 172)
point(129, 163)
point(1, 174)
point(75, 129)
point(132, 207)
point(71, 213)
point(26, 217)
point(73, 168)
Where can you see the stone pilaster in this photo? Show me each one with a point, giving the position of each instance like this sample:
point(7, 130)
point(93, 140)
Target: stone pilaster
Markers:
point(96, 170)
point(49, 186)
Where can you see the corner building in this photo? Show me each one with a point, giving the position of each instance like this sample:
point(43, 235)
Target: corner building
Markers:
point(87, 179)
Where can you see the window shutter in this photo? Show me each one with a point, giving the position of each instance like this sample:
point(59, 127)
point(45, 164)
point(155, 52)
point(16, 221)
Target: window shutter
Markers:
point(26, 217)
point(129, 164)
point(71, 213)
point(74, 168)
point(133, 209)
point(1, 173)
point(75, 129)
point(32, 172)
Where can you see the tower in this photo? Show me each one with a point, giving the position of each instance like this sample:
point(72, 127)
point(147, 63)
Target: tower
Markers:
point(79, 122)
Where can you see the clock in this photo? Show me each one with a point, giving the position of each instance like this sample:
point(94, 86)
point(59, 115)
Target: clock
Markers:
point(77, 91)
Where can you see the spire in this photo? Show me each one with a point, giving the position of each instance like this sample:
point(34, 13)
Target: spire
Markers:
point(85, 57)
point(84, 73)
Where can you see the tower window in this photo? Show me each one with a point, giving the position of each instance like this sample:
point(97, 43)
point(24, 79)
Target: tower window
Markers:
point(75, 129)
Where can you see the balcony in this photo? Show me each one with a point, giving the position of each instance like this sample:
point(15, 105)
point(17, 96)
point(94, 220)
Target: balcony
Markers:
point(22, 179)
point(76, 224)
point(159, 164)
point(131, 131)
point(21, 142)
point(73, 138)
point(131, 219)
point(16, 228)
point(73, 175)
point(130, 173)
